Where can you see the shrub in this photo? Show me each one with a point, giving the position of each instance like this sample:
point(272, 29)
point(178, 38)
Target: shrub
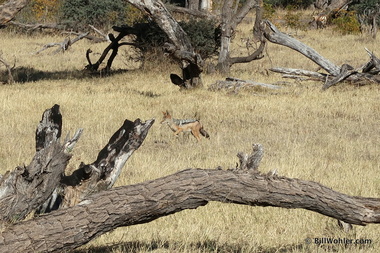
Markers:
point(299, 4)
point(293, 18)
point(105, 13)
point(44, 10)
point(204, 36)
point(269, 11)
point(346, 22)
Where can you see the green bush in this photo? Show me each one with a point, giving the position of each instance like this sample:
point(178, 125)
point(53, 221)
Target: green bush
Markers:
point(366, 8)
point(269, 11)
point(204, 36)
point(293, 18)
point(346, 22)
point(299, 4)
point(78, 14)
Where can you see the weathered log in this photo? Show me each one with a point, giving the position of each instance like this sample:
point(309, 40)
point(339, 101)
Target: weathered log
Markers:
point(188, 189)
point(364, 74)
point(236, 84)
point(373, 66)
point(49, 129)
point(43, 186)
point(103, 173)
point(300, 72)
point(345, 71)
point(36, 26)
point(191, 71)
point(64, 45)
point(193, 12)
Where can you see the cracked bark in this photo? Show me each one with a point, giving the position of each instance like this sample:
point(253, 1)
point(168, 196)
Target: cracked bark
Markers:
point(69, 228)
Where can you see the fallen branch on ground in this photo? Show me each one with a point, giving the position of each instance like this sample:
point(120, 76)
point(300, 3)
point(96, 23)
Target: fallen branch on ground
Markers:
point(368, 73)
point(235, 85)
point(64, 45)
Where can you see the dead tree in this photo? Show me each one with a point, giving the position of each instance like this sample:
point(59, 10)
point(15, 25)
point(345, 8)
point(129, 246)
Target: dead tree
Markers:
point(367, 73)
point(113, 46)
point(104, 211)
point(232, 15)
point(64, 45)
point(43, 185)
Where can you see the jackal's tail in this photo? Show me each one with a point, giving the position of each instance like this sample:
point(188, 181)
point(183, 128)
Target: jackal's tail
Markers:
point(204, 133)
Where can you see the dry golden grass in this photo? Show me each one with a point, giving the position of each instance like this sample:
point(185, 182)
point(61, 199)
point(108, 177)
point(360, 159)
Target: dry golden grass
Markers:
point(331, 137)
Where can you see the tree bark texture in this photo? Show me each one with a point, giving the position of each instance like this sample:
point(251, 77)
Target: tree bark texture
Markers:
point(141, 203)
point(9, 9)
point(232, 15)
point(26, 188)
point(43, 185)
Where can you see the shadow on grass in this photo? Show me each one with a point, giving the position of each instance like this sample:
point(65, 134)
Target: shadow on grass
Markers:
point(28, 74)
point(205, 246)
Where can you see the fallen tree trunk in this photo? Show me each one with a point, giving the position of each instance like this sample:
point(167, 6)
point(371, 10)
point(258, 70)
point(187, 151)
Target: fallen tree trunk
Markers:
point(272, 34)
point(235, 85)
point(188, 189)
point(368, 73)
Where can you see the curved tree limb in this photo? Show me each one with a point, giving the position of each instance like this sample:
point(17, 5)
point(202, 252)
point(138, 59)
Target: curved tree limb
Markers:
point(272, 34)
point(187, 189)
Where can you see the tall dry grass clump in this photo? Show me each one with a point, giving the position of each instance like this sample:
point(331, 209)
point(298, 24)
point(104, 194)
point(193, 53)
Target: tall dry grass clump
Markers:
point(330, 137)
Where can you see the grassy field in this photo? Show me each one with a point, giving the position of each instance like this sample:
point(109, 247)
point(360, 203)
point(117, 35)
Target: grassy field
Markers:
point(330, 137)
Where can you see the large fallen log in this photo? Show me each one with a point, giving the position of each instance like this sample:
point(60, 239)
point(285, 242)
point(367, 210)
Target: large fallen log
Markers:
point(188, 189)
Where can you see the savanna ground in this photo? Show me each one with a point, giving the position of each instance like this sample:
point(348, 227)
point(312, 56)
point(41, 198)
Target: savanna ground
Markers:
point(329, 137)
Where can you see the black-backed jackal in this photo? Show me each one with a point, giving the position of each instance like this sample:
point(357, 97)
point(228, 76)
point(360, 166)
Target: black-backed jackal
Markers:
point(320, 20)
point(184, 125)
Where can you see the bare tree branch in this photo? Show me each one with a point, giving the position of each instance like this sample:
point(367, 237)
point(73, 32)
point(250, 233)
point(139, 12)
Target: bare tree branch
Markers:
point(272, 34)
point(9, 69)
point(64, 45)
